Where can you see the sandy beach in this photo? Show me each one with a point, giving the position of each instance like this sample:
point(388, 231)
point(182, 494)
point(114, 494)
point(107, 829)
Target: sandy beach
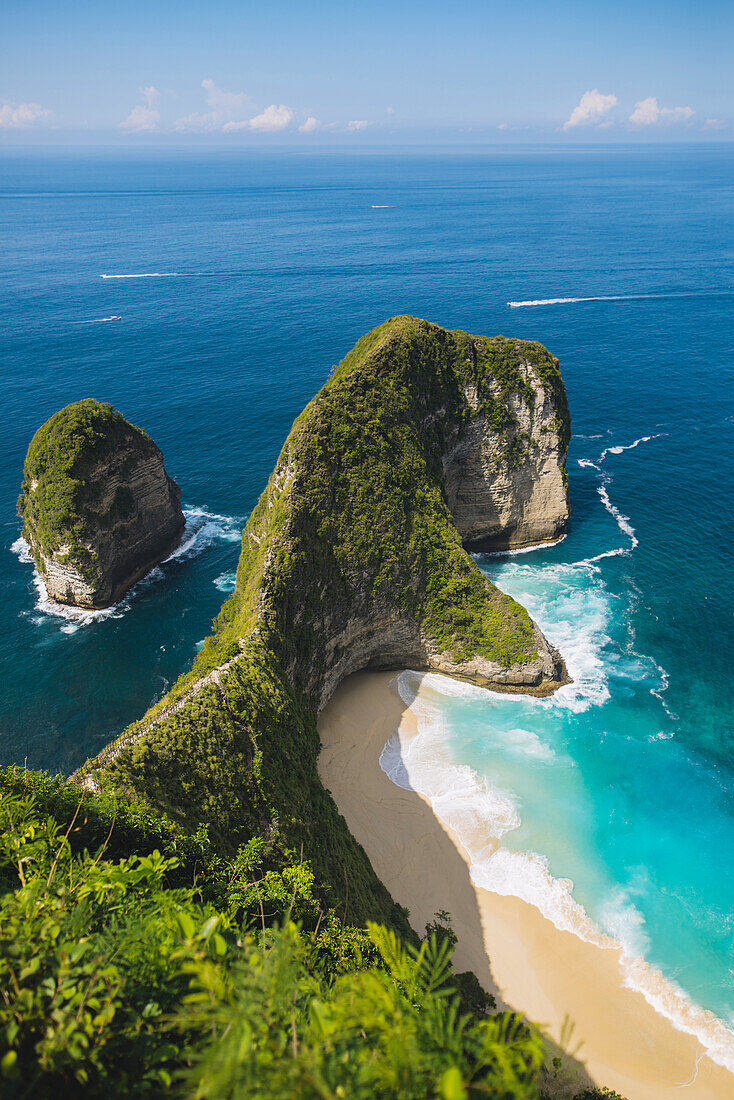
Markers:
point(518, 955)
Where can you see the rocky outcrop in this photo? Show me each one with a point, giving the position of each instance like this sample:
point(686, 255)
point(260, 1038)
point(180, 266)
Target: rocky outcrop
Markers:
point(455, 438)
point(98, 507)
point(380, 640)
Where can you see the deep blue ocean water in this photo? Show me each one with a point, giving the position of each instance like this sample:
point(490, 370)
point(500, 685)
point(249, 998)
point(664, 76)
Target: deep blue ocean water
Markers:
point(262, 271)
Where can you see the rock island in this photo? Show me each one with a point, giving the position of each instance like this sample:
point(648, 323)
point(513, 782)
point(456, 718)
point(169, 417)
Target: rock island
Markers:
point(99, 510)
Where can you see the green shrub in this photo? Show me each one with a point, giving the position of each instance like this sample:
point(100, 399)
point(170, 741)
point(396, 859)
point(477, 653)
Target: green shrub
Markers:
point(116, 983)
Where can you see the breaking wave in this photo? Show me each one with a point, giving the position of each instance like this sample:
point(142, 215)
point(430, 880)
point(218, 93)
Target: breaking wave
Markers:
point(520, 549)
point(225, 582)
point(201, 529)
point(481, 814)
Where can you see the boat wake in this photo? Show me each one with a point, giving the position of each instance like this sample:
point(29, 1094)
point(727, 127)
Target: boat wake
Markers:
point(148, 275)
point(617, 298)
point(597, 298)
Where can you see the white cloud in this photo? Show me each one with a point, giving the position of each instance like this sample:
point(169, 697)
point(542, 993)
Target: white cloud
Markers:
point(590, 109)
point(145, 116)
point(226, 109)
point(310, 126)
point(714, 124)
point(390, 110)
point(648, 112)
point(197, 121)
point(357, 124)
point(272, 119)
point(18, 116)
point(677, 114)
point(220, 100)
point(504, 126)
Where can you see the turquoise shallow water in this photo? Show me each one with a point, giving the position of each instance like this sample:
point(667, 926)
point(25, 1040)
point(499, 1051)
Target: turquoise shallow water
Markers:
point(261, 271)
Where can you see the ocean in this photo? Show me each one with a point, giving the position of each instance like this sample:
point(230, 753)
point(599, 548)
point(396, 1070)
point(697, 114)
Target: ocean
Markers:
point(207, 294)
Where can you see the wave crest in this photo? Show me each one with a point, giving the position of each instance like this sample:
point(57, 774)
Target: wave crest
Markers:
point(201, 529)
point(480, 815)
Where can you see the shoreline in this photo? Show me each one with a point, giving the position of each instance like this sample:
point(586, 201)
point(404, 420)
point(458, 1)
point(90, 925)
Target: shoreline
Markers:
point(517, 954)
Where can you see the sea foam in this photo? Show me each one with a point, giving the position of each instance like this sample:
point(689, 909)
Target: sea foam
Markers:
point(480, 814)
point(201, 529)
point(515, 551)
point(619, 448)
point(226, 582)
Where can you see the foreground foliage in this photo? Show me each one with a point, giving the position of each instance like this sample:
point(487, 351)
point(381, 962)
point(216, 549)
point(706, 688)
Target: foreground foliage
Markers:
point(116, 982)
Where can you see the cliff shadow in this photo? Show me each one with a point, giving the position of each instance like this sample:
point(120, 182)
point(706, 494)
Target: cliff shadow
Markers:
point(413, 854)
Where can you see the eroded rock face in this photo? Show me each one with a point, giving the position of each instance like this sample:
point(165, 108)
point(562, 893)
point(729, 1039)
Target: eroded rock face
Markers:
point(379, 639)
point(508, 489)
point(99, 509)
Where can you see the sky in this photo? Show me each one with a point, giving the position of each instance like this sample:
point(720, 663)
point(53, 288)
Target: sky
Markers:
point(341, 72)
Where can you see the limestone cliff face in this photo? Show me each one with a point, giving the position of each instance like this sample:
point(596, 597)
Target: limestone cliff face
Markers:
point(99, 508)
point(376, 638)
point(498, 504)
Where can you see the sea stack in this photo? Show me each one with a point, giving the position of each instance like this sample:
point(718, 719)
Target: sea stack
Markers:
point(99, 510)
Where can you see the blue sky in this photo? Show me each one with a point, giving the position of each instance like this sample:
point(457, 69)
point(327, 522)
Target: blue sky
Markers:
point(370, 72)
